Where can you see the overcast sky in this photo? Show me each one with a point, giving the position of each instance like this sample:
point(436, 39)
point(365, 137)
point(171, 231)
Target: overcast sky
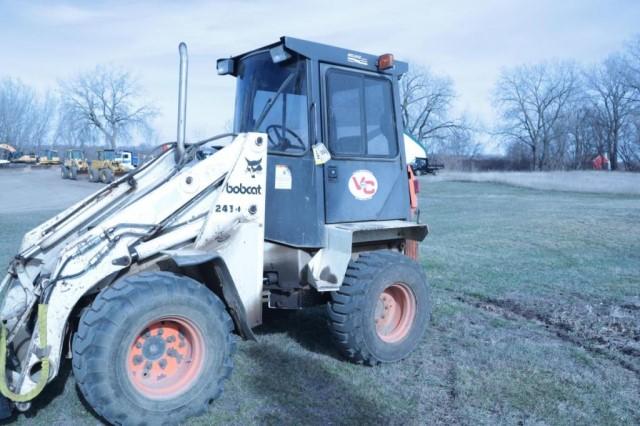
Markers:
point(469, 40)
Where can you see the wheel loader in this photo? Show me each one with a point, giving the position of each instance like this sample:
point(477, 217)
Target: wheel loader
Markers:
point(109, 164)
point(145, 283)
point(75, 163)
point(48, 157)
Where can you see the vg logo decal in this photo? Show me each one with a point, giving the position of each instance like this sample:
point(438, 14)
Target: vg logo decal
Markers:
point(363, 185)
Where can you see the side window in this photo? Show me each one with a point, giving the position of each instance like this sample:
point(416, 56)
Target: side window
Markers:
point(345, 113)
point(360, 112)
point(381, 129)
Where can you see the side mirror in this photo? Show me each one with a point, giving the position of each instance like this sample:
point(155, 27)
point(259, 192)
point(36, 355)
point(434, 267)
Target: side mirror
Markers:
point(225, 66)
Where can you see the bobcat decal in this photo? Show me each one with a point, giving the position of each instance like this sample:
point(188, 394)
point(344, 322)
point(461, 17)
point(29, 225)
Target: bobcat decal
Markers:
point(254, 167)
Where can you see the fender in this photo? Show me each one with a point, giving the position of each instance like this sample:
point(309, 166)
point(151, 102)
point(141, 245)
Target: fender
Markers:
point(212, 262)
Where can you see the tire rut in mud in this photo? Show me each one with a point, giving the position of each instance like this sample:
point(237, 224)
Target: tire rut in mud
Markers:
point(609, 330)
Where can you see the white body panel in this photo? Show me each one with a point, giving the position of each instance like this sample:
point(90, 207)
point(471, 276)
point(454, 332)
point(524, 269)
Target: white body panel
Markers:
point(196, 207)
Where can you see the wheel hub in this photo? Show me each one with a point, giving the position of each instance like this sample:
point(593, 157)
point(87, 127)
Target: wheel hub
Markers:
point(153, 348)
point(166, 358)
point(395, 312)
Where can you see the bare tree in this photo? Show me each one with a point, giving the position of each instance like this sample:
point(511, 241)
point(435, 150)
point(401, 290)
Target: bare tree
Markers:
point(612, 97)
point(106, 101)
point(426, 101)
point(532, 99)
point(73, 132)
point(632, 65)
point(583, 134)
point(25, 118)
point(461, 140)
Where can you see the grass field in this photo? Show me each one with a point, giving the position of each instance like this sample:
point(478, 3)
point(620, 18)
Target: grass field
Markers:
point(536, 320)
point(576, 181)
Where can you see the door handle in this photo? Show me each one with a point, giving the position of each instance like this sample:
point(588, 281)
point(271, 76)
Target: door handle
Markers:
point(333, 173)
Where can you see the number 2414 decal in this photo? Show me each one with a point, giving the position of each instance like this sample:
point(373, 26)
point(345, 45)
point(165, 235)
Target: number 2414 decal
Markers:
point(227, 208)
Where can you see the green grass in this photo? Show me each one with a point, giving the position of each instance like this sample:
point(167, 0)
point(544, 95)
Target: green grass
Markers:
point(536, 316)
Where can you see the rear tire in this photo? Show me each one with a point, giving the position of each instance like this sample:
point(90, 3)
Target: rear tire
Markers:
point(153, 348)
point(381, 312)
point(92, 176)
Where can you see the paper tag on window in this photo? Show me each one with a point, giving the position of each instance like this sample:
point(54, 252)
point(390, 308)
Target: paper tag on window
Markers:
point(320, 154)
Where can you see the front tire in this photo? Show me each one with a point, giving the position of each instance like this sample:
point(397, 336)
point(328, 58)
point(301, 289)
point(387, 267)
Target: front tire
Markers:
point(73, 173)
point(381, 312)
point(107, 176)
point(153, 348)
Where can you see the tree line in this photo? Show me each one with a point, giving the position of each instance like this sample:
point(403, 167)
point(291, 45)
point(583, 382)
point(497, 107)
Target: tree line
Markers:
point(551, 115)
point(101, 106)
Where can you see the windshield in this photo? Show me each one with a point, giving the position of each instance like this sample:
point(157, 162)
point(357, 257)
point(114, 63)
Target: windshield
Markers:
point(77, 155)
point(285, 121)
point(109, 155)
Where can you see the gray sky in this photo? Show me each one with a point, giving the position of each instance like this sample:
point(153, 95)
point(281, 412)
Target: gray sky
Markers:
point(469, 40)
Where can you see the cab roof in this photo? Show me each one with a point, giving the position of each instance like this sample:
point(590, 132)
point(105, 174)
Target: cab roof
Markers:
point(331, 54)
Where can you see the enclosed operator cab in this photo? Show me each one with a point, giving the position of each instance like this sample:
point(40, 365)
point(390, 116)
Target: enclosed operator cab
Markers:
point(308, 97)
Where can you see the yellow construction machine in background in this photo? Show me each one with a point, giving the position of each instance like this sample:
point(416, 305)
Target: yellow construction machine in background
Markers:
point(75, 162)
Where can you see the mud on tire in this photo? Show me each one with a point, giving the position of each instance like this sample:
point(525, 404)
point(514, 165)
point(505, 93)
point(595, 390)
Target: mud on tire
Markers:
point(136, 325)
point(357, 311)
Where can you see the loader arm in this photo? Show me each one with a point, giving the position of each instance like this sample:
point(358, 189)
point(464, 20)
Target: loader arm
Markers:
point(166, 206)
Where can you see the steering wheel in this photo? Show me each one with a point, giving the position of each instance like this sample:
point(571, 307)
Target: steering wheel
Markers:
point(280, 141)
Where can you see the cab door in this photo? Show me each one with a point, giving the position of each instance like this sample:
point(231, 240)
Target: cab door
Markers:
point(366, 177)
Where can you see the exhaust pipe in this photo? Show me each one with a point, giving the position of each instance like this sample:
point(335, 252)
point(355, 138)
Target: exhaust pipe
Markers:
point(182, 101)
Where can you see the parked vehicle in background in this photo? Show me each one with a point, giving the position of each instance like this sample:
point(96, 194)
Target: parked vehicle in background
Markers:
point(49, 157)
point(126, 159)
point(22, 158)
point(75, 162)
point(109, 164)
point(6, 152)
point(421, 166)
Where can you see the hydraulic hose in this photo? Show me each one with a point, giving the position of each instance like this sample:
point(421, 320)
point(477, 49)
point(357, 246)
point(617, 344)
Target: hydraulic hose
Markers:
point(44, 372)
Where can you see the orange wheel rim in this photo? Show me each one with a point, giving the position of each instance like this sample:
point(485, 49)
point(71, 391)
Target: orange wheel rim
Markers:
point(395, 312)
point(166, 358)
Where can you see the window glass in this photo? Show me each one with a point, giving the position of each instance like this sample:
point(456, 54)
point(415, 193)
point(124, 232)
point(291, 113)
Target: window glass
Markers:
point(381, 132)
point(286, 121)
point(345, 113)
point(360, 115)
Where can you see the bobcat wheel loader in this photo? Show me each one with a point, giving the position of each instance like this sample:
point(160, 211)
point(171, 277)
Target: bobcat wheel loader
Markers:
point(310, 202)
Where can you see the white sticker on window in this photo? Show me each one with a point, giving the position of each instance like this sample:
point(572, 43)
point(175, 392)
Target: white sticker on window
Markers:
point(283, 177)
point(363, 185)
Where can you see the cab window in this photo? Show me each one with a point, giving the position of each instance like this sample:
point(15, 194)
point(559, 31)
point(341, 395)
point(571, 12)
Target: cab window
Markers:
point(361, 120)
point(285, 122)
